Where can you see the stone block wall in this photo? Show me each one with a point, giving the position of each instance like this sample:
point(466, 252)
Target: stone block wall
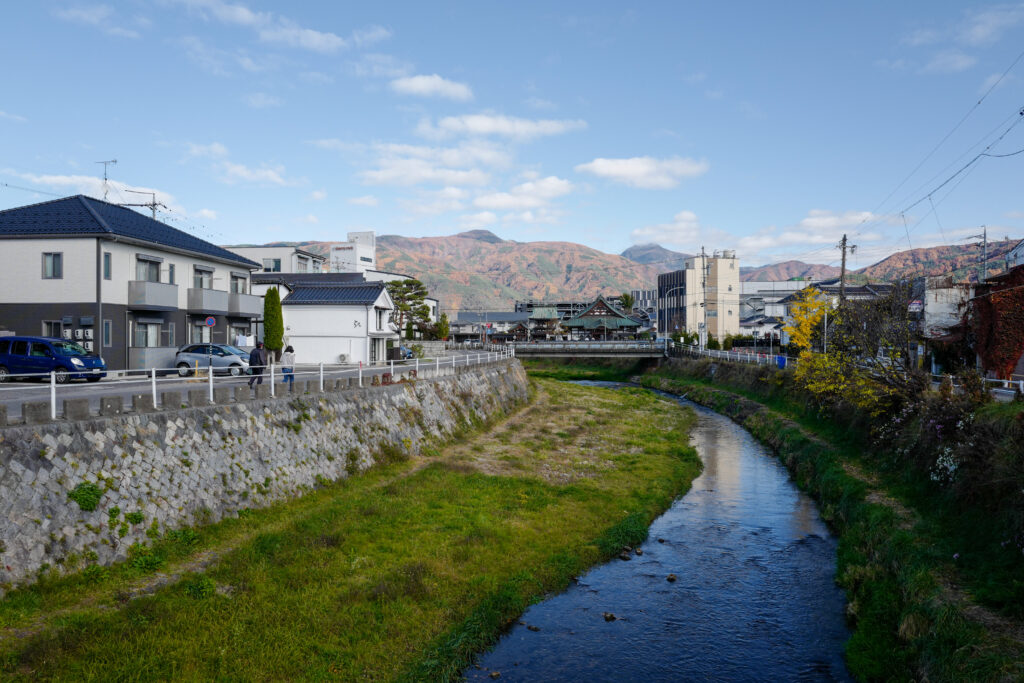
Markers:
point(168, 469)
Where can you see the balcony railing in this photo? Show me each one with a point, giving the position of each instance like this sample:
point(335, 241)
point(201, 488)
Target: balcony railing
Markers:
point(153, 296)
point(208, 301)
point(245, 305)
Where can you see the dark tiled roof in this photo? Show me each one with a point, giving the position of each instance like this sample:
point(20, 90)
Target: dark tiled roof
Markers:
point(293, 279)
point(363, 293)
point(81, 215)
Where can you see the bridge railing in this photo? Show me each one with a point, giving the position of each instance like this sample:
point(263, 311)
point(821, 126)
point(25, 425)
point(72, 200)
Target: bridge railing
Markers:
point(590, 346)
point(745, 355)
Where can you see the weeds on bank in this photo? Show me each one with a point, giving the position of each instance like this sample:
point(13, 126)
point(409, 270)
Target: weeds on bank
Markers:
point(397, 572)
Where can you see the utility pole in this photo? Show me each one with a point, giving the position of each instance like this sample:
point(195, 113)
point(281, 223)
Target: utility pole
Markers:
point(152, 204)
point(983, 266)
point(843, 246)
point(105, 186)
point(704, 288)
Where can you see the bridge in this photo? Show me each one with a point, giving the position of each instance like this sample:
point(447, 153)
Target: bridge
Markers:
point(589, 349)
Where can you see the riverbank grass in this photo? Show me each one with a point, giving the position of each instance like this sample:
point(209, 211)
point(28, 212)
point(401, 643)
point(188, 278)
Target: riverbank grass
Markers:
point(402, 572)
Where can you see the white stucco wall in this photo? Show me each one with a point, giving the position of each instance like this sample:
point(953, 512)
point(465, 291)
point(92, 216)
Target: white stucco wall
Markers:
point(21, 271)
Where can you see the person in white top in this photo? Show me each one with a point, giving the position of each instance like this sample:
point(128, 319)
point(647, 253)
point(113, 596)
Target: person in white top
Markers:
point(288, 366)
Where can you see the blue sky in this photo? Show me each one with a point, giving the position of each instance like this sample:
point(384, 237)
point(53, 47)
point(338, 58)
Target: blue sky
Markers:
point(769, 128)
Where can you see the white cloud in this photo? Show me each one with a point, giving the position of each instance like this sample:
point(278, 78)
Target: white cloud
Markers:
point(213, 150)
point(505, 126)
point(439, 201)
point(682, 232)
point(463, 155)
point(97, 16)
point(93, 187)
point(376, 65)
point(478, 220)
point(922, 36)
point(318, 195)
point(264, 175)
point(365, 200)
point(992, 80)
point(12, 117)
point(540, 103)
point(316, 78)
point(950, 61)
point(208, 214)
point(261, 100)
point(432, 86)
point(310, 219)
point(271, 28)
point(987, 26)
point(529, 195)
point(532, 216)
point(646, 172)
point(416, 171)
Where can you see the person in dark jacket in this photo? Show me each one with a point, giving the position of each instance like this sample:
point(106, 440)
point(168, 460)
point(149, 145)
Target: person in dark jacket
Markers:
point(257, 361)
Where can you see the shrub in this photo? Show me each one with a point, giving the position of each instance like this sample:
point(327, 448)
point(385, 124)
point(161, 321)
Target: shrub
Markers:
point(87, 495)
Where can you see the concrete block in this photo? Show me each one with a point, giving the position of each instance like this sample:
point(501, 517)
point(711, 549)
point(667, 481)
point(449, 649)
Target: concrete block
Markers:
point(170, 400)
point(198, 397)
point(111, 406)
point(3, 416)
point(242, 394)
point(143, 403)
point(262, 391)
point(35, 412)
point(222, 395)
point(76, 409)
point(299, 387)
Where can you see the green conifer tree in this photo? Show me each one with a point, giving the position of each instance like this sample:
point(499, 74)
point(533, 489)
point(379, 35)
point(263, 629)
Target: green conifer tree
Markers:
point(273, 321)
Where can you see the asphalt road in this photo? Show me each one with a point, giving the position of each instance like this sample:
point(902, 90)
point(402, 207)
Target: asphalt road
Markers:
point(14, 393)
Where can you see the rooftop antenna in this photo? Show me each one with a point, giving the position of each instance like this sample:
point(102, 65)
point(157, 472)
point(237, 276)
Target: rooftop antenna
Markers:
point(105, 186)
point(152, 203)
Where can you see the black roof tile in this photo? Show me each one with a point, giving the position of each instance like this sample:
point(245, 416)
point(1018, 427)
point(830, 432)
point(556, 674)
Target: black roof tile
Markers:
point(363, 293)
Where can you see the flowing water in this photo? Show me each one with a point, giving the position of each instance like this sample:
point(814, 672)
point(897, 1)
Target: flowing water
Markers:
point(754, 598)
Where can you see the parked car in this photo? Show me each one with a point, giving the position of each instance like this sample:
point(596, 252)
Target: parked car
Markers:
point(224, 358)
point(65, 359)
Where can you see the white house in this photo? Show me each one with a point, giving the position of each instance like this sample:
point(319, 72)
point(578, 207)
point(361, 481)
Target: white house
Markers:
point(126, 286)
point(357, 255)
point(339, 322)
point(279, 259)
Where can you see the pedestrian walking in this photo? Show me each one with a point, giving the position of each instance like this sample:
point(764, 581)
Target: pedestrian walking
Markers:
point(257, 361)
point(288, 366)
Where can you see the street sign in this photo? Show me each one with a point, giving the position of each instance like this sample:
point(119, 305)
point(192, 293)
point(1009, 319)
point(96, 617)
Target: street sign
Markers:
point(211, 321)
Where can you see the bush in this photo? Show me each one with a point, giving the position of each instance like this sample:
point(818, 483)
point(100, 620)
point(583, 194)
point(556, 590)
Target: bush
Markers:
point(87, 495)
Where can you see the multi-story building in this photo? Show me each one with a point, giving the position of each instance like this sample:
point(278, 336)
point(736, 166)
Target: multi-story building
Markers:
point(704, 294)
point(129, 287)
point(357, 255)
point(277, 259)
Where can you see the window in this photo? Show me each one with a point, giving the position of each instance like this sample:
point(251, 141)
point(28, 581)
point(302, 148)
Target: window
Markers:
point(108, 333)
point(271, 265)
point(39, 350)
point(19, 348)
point(53, 266)
point(200, 332)
point(380, 318)
point(366, 259)
point(5, 346)
point(107, 265)
point(303, 265)
point(237, 285)
point(147, 271)
point(170, 333)
point(170, 273)
point(52, 328)
point(147, 334)
point(202, 279)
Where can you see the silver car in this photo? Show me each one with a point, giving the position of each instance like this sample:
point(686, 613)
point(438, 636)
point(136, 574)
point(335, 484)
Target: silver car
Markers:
point(225, 359)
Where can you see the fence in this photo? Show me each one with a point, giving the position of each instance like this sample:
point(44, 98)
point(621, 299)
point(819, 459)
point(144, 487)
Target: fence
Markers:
point(204, 384)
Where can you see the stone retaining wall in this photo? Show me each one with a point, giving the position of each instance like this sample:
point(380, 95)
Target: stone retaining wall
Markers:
point(172, 468)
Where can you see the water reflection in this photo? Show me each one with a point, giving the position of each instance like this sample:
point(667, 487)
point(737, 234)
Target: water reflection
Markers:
point(754, 598)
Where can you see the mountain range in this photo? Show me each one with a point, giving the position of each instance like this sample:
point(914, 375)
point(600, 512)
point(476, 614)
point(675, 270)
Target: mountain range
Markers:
point(477, 270)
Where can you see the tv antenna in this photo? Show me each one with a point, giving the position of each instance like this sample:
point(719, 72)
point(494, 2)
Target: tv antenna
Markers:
point(152, 203)
point(105, 186)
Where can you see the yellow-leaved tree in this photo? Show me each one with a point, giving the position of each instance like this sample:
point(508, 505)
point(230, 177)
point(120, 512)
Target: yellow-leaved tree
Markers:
point(806, 312)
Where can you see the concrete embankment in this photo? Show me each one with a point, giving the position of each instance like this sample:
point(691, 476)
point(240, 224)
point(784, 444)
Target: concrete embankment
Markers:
point(85, 491)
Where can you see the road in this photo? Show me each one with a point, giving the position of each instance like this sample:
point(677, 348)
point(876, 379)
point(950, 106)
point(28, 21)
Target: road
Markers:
point(14, 394)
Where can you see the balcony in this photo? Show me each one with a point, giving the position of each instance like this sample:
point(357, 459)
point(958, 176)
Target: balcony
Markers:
point(152, 296)
point(209, 301)
point(245, 305)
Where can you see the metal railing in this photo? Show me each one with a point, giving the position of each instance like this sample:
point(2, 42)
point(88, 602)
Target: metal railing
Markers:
point(595, 346)
point(279, 381)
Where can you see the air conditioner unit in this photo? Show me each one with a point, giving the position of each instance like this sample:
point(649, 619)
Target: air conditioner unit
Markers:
point(343, 357)
point(88, 333)
point(67, 334)
point(88, 346)
point(78, 334)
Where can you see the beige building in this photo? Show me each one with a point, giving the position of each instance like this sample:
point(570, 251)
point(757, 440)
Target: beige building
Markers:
point(707, 288)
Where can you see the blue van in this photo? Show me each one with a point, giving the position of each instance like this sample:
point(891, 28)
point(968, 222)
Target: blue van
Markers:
point(41, 355)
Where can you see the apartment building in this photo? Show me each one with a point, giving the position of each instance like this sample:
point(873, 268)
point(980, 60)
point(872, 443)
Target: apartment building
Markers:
point(128, 287)
point(704, 294)
point(279, 259)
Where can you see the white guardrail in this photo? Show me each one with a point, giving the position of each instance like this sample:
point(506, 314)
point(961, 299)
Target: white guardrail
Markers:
point(273, 374)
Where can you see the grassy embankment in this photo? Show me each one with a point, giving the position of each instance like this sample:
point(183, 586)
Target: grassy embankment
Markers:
point(403, 572)
point(934, 584)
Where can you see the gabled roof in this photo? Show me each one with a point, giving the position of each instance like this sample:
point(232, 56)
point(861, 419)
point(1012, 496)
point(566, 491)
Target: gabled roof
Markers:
point(291, 280)
point(79, 216)
point(356, 293)
point(597, 309)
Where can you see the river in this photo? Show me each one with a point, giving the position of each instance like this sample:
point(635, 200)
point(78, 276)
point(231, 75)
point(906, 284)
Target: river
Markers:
point(754, 598)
